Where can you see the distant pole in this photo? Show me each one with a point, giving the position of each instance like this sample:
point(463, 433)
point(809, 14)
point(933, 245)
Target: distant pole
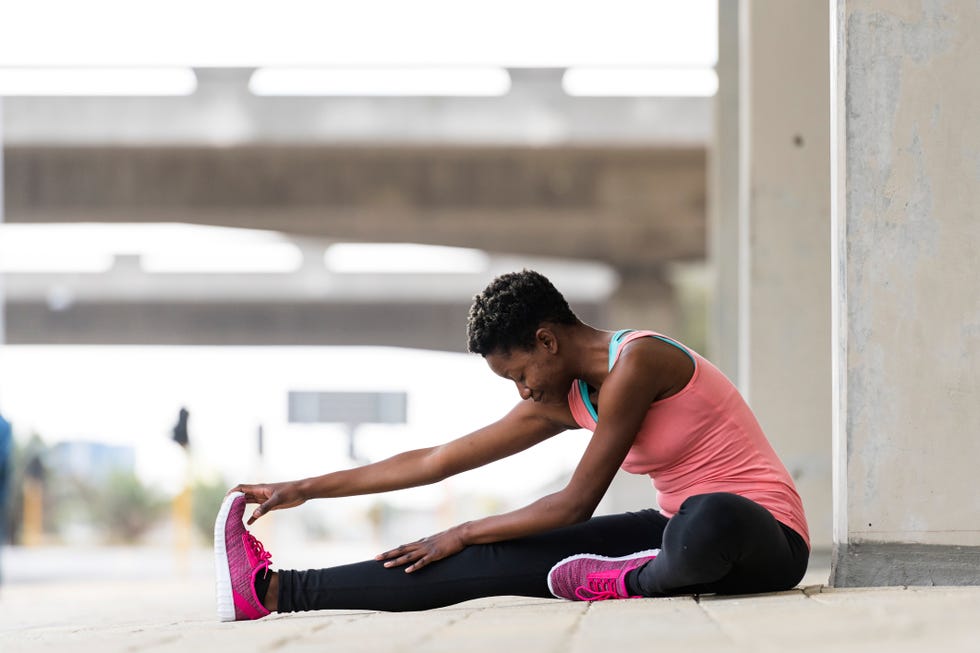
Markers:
point(182, 512)
point(6, 453)
point(3, 297)
point(33, 520)
point(264, 529)
point(33, 516)
point(352, 451)
point(182, 508)
point(3, 339)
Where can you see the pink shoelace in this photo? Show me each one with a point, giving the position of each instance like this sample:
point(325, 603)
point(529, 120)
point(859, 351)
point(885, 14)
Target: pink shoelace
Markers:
point(598, 588)
point(258, 551)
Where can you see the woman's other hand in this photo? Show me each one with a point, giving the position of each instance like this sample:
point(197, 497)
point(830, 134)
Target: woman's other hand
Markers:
point(425, 551)
point(272, 496)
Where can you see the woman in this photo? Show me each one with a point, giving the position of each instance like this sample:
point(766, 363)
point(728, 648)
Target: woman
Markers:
point(730, 519)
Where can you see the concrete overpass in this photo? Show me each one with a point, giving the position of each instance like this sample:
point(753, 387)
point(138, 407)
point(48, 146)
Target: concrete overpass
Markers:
point(621, 181)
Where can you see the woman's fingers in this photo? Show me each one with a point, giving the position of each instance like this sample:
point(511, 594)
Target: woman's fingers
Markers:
point(394, 553)
point(253, 493)
point(403, 555)
point(244, 489)
point(259, 511)
point(403, 560)
point(423, 552)
point(270, 497)
point(260, 494)
point(418, 565)
point(273, 501)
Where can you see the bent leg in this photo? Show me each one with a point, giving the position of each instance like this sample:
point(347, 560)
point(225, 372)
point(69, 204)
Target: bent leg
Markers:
point(725, 544)
point(513, 567)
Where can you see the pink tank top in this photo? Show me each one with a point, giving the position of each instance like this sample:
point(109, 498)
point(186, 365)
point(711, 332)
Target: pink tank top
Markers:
point(702, 439)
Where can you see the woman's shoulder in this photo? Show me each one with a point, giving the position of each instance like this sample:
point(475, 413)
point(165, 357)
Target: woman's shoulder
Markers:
point(660, 361)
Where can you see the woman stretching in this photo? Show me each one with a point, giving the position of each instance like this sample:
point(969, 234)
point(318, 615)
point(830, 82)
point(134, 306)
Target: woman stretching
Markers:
point(730, 520)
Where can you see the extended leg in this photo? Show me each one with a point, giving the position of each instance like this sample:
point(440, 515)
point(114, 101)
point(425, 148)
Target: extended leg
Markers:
point(515, 567)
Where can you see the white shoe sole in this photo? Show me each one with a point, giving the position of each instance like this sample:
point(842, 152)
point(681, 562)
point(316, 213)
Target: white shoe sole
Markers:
point(579, 556)
point(222, 571)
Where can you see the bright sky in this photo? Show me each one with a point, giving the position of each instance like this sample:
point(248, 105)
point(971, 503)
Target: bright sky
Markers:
point(513, 33)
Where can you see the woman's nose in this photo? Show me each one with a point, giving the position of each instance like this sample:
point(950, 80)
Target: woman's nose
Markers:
point(524, 391)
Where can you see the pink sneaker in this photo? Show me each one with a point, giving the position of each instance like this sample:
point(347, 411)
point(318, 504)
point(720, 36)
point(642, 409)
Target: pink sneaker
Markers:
point(588, 577)
point(238, 559)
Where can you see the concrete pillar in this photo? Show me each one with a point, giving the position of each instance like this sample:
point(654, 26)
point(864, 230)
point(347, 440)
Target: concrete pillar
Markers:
point(906, 232)
point(784, 367)
point(723, 200)
point(645, 299)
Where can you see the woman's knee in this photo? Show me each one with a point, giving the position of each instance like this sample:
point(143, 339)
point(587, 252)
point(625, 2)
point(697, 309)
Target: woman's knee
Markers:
point(715, 506)
point(715, 516)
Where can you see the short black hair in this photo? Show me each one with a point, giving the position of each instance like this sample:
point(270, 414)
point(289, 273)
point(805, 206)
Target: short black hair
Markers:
point(509, 311)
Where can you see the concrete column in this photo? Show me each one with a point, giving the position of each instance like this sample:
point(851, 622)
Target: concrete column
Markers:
point(723, 200)
point(645, 299)
point(784, 367)
point(907, 292)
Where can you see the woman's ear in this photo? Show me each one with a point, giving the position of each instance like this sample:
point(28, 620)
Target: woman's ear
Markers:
point(546, 338)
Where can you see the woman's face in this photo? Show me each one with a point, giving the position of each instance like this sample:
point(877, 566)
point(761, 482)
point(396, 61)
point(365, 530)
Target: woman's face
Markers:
point(537, 372)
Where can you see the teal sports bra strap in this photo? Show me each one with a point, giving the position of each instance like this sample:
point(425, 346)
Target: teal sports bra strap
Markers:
point(583, 390)
point(614, 344)
point(583, 387)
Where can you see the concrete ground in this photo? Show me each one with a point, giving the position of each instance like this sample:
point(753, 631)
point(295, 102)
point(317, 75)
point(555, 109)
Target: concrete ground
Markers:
point(160, 613)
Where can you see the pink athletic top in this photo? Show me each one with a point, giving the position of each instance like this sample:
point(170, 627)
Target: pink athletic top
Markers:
point(702, 439)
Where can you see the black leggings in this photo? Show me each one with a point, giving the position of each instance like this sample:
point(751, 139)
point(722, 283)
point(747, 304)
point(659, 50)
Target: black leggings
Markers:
point(716, 543)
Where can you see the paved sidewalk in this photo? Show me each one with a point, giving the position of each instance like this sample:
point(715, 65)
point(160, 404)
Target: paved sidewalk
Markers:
point(178, 615)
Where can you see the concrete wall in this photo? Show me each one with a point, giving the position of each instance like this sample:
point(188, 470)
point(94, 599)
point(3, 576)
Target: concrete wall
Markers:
point(907, 285)
point(784, 259)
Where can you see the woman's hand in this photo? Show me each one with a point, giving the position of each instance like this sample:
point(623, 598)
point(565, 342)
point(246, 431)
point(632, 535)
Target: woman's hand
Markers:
point(272, 496)
point(427, 550)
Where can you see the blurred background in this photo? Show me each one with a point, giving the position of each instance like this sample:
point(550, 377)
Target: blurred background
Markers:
point(239, 240)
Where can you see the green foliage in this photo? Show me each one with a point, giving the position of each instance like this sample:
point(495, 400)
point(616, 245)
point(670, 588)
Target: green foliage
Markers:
point(206, 497)
point(124, 508)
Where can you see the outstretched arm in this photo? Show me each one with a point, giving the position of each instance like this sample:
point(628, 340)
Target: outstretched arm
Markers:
point(624, 401)
point(524, 426)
